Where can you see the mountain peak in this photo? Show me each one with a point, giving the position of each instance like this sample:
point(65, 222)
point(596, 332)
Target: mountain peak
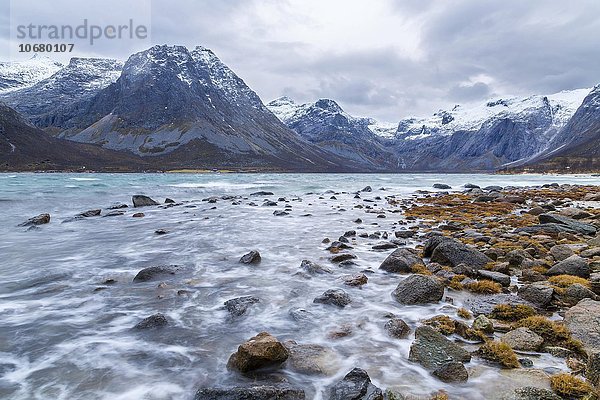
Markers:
point(328, 104)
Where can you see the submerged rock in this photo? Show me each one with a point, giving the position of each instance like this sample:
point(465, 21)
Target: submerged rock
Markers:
point(252, 257)
point(314, 268)
point(238, 306)
point(312, 359)
point(37, 220)
point(152, 322)
point(143, 201)
point(418, 289)
point(261, 351)
point(259, 392)
point(152, 273)
point(336, 297)
point(356, 385)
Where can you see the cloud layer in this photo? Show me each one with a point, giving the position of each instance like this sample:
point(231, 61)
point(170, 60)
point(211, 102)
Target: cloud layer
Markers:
point(390, 59)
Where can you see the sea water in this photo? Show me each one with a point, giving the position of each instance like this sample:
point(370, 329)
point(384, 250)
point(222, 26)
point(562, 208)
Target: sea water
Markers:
point(64, 334)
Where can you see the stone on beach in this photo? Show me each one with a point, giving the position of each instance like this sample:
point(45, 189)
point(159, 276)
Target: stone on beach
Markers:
point(152, 322)
point(356, 385)
point(252, 257)
point(37, 220)
point(431, 349)
point(261, 351)
point(401, 261)
point(336, 297)
point(418, 289)
point(143, 201)
point(155, 272)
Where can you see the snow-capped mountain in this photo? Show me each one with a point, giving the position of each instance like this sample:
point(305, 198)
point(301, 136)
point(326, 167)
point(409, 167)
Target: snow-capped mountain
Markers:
point(557, 108)
point(190, 109)
point(80, 79)
point(325, 124)
point(21, 74)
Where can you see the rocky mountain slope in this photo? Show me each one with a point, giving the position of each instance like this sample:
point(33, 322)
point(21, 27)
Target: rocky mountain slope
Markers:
point(44, 103)
point(325, 124)
point(21, 74)
point(25, 147)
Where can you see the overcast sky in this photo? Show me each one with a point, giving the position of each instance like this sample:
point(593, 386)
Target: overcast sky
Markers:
point(381, 58)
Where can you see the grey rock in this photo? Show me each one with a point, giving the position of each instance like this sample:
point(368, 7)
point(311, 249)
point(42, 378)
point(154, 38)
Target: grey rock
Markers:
point(499, 277)
point(152, 322)
point(37, 220)
point(252, 257)
point(531, 393)
point(259, 392)
point(336, 297)
point(418, 289)
point(523, 339)
point(583, 320)
point(577, 292)
point(561, 252)
point(452, 252)
point(238, 306)
point(311, 359)
point(401, 261)
point(484, 304)
point(153, 273)
point(573, 265)
point(314, 268)
point(261, 351)
point(574, 213)
point(143, 201)
point(483, 323)
point(431, 349)
point(441, 186)
point(262, 193)
point(538, 294)
point(356, 385)
point(451, 371)
point(579, 227)
point(397, 328)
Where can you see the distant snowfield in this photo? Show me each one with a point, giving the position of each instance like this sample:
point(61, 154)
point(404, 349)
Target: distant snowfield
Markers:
point(21, 74)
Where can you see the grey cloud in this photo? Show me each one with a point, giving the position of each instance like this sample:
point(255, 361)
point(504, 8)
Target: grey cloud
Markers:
point(476, 91)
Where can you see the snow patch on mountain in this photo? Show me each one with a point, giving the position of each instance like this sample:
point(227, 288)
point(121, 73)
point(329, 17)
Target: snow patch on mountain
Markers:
point(21, 74)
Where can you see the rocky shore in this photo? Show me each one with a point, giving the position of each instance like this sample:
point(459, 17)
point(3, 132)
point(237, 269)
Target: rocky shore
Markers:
point(524, 262)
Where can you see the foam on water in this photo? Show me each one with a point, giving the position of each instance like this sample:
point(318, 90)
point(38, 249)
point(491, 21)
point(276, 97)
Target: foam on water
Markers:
point(61, 338)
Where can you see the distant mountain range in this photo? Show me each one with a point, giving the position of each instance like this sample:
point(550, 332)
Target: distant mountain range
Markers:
point(171, 108)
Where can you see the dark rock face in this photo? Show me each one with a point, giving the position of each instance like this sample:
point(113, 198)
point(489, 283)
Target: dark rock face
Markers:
point(573, 265)
point(432, 350)
point(37, 220)
point(356, 385)
point(152, 322)
point(251, 258)
point(262, 351)
point(260, 392)
point(238, 306)
point(452, 252)
point(153, 273)
point(418, 289)
point(401, 261)
point(143, 201)
point(336, 297)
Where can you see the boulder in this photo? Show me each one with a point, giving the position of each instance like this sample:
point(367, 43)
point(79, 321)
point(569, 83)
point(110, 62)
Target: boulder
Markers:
point(397, 328)
point(311, 359)
point(261, 351)
point(143, 201)
point(153, 273)
point(575, 293)
point(537, 294)
point(238, 306)
point(583, 320)
point(579, 227)
point(260, 392)
point(262, 193)
point(356, 385)
point(252, 257)
point(431, 349)
point(451, 252)
point(574, 213)
point(37, 220)
point(442, 186)
point(483, 324)
point(573, 265)
point(152, 322)
point(561, 252)
point(336, 297)
point(523, 339)
point(418, 289)
point(356, 280)
point(451, 371)
point(401, 261)
point(516, 258)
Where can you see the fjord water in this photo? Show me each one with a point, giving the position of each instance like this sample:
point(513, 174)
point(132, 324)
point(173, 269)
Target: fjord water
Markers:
point(61, 338)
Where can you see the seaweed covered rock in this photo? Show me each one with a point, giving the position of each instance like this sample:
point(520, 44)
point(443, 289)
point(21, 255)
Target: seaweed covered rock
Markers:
point(432, 350)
